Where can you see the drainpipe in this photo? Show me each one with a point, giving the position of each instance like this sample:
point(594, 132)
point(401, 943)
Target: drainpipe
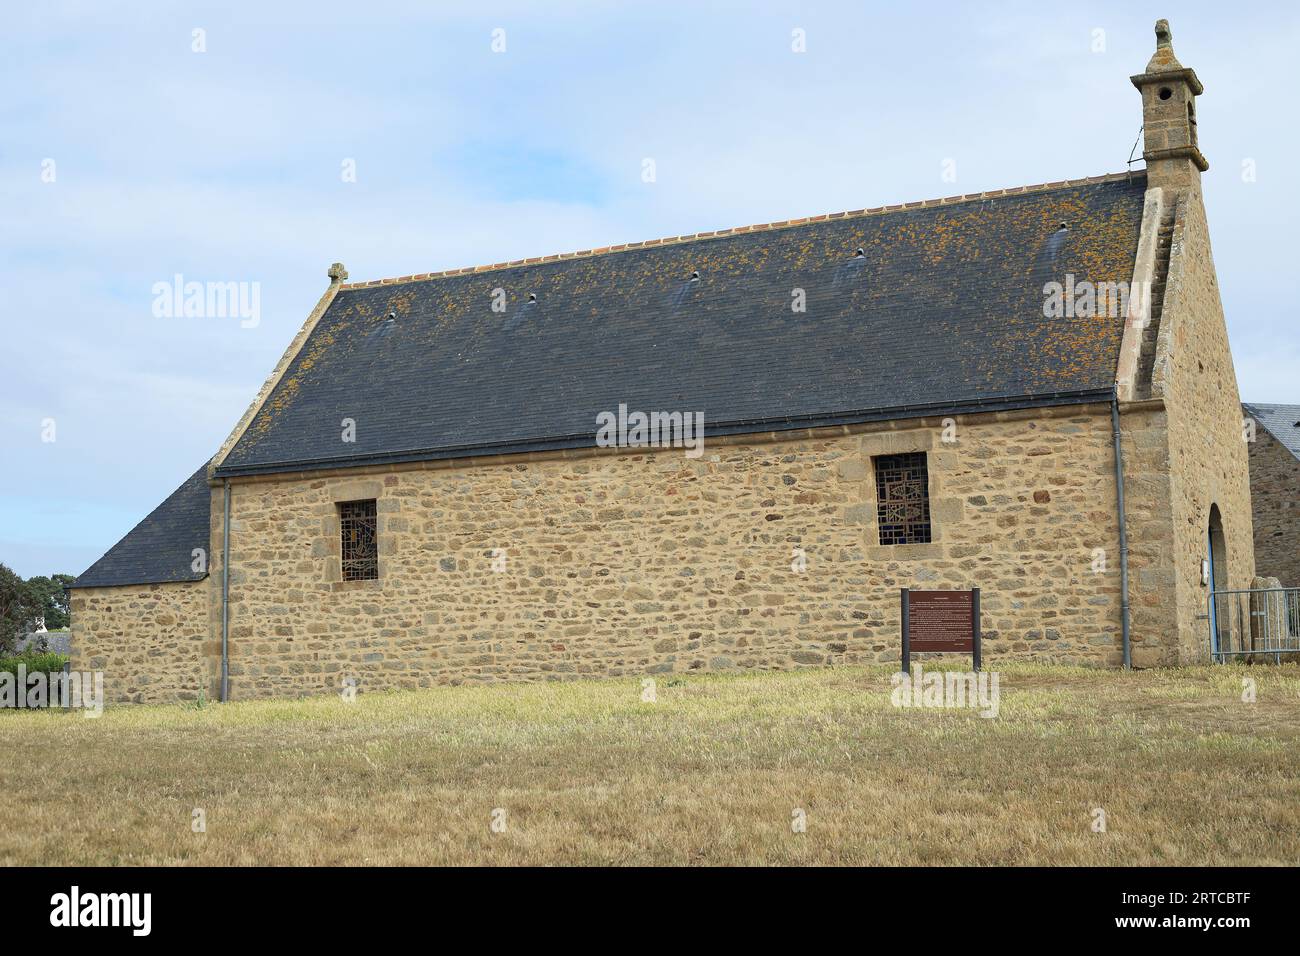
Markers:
point(225, 599)
point(1123, 527)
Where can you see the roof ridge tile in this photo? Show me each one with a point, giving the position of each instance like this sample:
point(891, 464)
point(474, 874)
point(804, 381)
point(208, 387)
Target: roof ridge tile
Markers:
point(752, 227)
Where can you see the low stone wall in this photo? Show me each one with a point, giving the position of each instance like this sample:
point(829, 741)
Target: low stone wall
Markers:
point(55, 642)
point(1273, 619)
point(148, 639)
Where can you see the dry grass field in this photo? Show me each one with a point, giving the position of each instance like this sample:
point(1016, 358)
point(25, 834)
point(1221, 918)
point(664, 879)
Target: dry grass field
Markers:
point(710, 773)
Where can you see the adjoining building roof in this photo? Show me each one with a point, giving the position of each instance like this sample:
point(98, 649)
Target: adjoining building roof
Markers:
point(160, 548)
point(916, 309)
point(1280, 421)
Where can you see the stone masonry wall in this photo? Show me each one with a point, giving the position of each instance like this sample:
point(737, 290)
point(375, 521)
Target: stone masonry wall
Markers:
point(653, 563)
point(1153, 613)
point(1207, 451)
point(147, 639)
point(1275, 496)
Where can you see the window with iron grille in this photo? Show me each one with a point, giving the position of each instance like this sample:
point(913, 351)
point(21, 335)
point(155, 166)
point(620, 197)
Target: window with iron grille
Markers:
point(360, 543)
point(903, 499)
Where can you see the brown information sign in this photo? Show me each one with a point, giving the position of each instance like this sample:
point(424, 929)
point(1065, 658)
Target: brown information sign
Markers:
point(939, 621)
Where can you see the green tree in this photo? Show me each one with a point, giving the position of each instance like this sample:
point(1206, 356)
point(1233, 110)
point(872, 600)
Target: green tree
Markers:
point(54, 599)
point(20, 606)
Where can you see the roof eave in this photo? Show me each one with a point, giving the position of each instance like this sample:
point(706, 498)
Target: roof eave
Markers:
point(130, 582)
point(754, 426)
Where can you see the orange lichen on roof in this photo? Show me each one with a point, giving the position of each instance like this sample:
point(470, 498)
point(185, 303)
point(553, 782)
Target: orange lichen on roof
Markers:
point(906, 306)
point(738, 230)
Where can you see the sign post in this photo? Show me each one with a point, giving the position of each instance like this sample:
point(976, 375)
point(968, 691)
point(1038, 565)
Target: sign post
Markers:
point(907, 631)
point(941, 622)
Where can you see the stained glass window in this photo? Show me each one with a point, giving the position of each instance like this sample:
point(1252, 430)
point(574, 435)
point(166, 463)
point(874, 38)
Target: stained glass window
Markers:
point(903, 499)
point(360, 544)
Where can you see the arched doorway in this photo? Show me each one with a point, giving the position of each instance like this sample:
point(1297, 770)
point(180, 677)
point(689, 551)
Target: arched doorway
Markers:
point(1216, 551)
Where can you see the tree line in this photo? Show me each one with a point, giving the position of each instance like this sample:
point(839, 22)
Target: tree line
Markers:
point(24, 603)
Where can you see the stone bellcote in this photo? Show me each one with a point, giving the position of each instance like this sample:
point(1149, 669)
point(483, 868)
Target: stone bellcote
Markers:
point(1169, 92)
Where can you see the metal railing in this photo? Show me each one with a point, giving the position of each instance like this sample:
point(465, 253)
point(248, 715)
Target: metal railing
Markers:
point(1254, 624)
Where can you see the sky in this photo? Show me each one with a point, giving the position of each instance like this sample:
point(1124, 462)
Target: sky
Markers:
point(258, 143)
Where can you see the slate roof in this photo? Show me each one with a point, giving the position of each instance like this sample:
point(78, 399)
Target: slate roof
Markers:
point(911, 310)
point(159, 549)
point(1280, 421)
